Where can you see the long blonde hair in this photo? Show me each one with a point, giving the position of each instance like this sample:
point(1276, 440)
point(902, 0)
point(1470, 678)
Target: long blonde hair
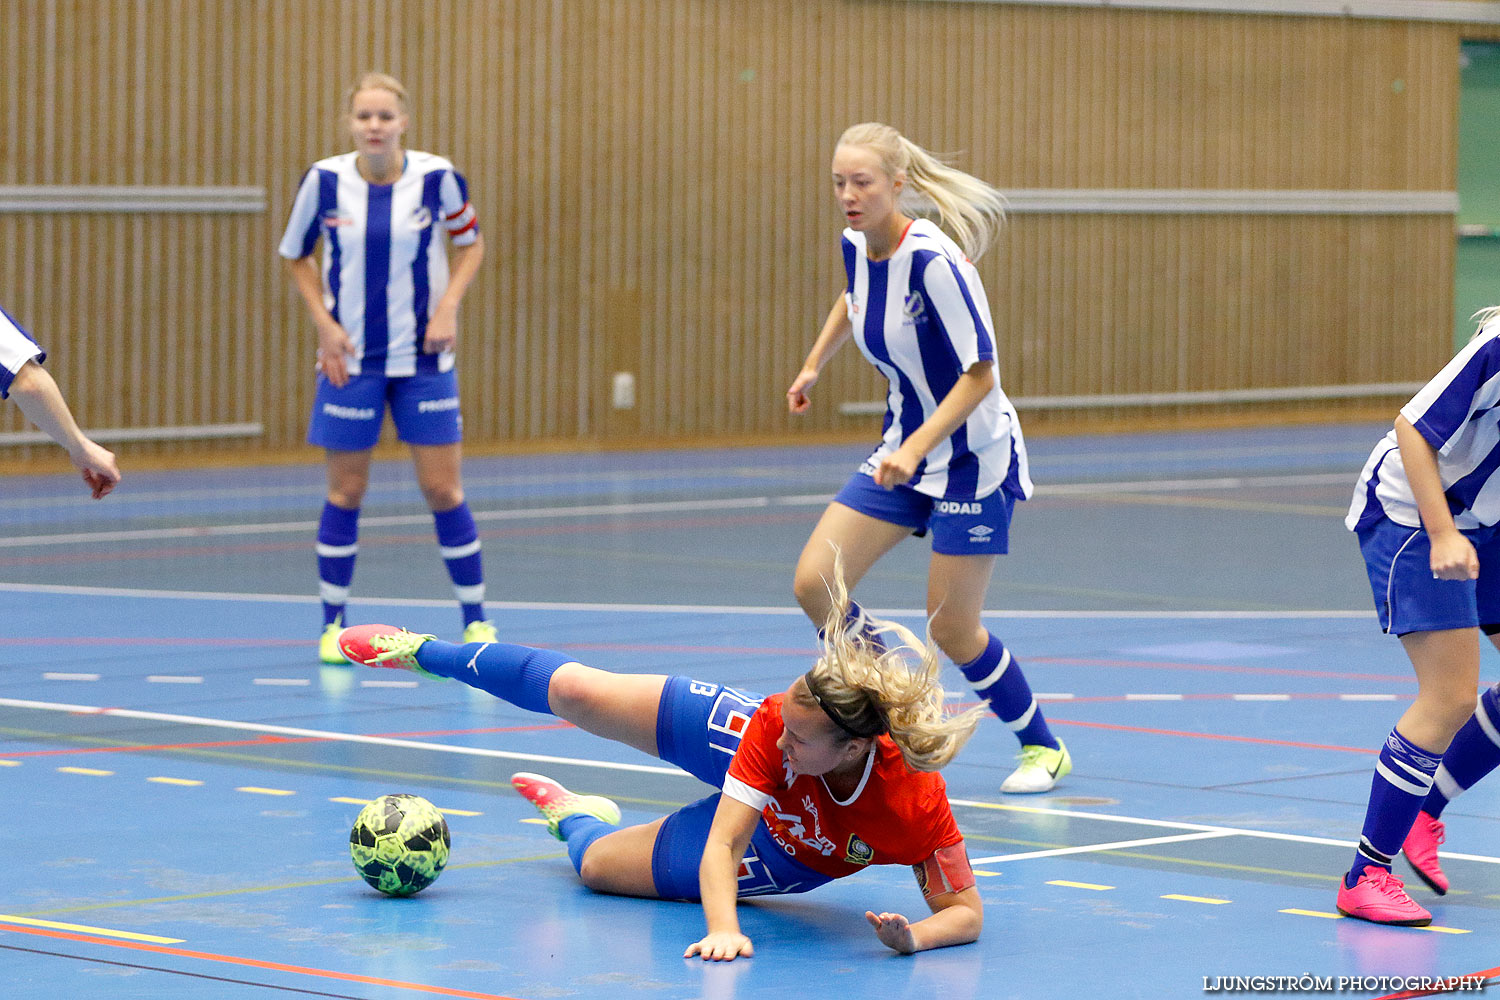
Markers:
point(869, 689)
point(971, 210)
point(1483, 317)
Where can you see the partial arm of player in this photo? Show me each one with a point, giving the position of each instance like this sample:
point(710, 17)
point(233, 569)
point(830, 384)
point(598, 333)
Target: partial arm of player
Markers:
point(957, 911)
point(442, 326)
point(39, 398)
point(836, 331)
point(1453, 556)
point(718, 882)
point(967, 393)
point(334, 345)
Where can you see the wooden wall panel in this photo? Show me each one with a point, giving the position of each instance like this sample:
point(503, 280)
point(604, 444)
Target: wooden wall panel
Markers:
point(651, 179)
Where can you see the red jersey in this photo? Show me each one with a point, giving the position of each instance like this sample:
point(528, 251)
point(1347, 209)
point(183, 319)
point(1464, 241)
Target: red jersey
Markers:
point(895, 816)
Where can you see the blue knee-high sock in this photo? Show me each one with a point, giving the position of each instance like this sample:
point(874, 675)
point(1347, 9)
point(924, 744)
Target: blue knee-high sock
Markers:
point(1403, 776)
point(997, 678)
point(1475, 752)
point(458, 540)
point(580, 832)
point(857, 623)
point(338, 544)
point(519, 674)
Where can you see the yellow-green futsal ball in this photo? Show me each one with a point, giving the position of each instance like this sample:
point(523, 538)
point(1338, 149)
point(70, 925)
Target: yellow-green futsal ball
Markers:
point(399, 844)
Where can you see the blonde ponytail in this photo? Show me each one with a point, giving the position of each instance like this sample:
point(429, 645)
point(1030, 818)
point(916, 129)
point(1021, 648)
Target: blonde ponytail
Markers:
point(968, 208)
point(873, 689)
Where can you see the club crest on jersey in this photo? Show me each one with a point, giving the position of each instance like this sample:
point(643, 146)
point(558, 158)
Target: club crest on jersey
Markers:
point(913, 307)
point(858, 852)
point(421, 218)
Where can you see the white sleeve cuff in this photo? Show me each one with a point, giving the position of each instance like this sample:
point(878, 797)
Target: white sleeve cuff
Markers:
point(741, 792)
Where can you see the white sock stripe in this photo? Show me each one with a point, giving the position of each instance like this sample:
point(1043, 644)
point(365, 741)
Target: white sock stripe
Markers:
point(1444, 783)
point(1482, 716)
point(459, 551)
point(1409, 787)
point(332, 593)
point(1368, 850)
point(1025, 720)
point(470, 595)
point(981, 686)
point(336, 551)
point(1416, 772)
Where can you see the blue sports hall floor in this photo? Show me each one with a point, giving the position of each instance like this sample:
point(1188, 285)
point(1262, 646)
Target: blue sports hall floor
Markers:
point(180, 774)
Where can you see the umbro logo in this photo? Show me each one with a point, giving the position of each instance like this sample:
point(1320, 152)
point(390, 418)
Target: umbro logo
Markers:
point(980, 533)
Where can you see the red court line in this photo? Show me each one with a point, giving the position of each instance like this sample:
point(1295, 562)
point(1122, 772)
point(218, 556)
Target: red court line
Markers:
point(138, 640)
point(268, 738)
point(1210, 736)
point(1217, 668)
point(1403, 995)
point(255, 963)
point(1289, 695)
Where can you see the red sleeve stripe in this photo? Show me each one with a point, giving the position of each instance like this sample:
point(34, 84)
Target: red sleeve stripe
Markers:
point(465, 228)
point(461, 211)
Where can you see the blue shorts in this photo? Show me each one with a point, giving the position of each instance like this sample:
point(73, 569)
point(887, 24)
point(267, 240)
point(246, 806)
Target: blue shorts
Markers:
point(959, 527)
point(423, 407)
point(1408, 599)
point(698, 728)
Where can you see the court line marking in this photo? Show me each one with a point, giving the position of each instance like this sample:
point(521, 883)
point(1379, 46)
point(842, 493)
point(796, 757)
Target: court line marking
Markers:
point(1091, 848)
point(1178, 825)
point(554, 512)
point(256, 963)
point(1197, 899)
point(1081, 885)
point(84, 929)
point(684, 609)
point(322, 734)
point(192, 720)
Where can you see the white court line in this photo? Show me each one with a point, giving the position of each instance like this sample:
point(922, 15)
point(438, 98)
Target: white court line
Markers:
point(1260, 697)
point(632, 609)
point(321, 734)
point(173, 679)
point(53, 675)
point(1090, 848)
point(258, 727)
point(644, 507)
point(282, 681)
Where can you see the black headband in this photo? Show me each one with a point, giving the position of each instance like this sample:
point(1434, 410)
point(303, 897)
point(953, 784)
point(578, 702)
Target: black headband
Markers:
point(832, 715)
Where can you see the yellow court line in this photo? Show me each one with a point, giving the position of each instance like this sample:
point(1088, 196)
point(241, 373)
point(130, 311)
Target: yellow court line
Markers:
point(351, 802)
point(1442, 930)
point(10, 763)
point(458, 812)
point(175, 781)
point(1314, 913)
point(1196, 899)
point(264, 791)
point(987, 874)
point(533, 819)
point(1080, 885)
point(103, 931)
point(84, 770)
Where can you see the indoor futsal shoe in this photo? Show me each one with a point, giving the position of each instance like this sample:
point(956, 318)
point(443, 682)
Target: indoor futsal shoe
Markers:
point(328, 646)
point(482, 631)
point(383, 646)
point(556, 803)
point(1041, 769)
point(1381, 898)
point(1421, 850)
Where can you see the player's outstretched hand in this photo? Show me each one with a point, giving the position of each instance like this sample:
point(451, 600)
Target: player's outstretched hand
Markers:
point(721, 947)
point(796, 396)
point(894, 931)
point(98, 468)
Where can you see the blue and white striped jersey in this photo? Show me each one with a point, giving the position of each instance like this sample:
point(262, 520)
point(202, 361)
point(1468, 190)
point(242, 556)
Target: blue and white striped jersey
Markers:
point(383, 270)
point(922, 318)
point(1457, 414)
point(16, 348)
